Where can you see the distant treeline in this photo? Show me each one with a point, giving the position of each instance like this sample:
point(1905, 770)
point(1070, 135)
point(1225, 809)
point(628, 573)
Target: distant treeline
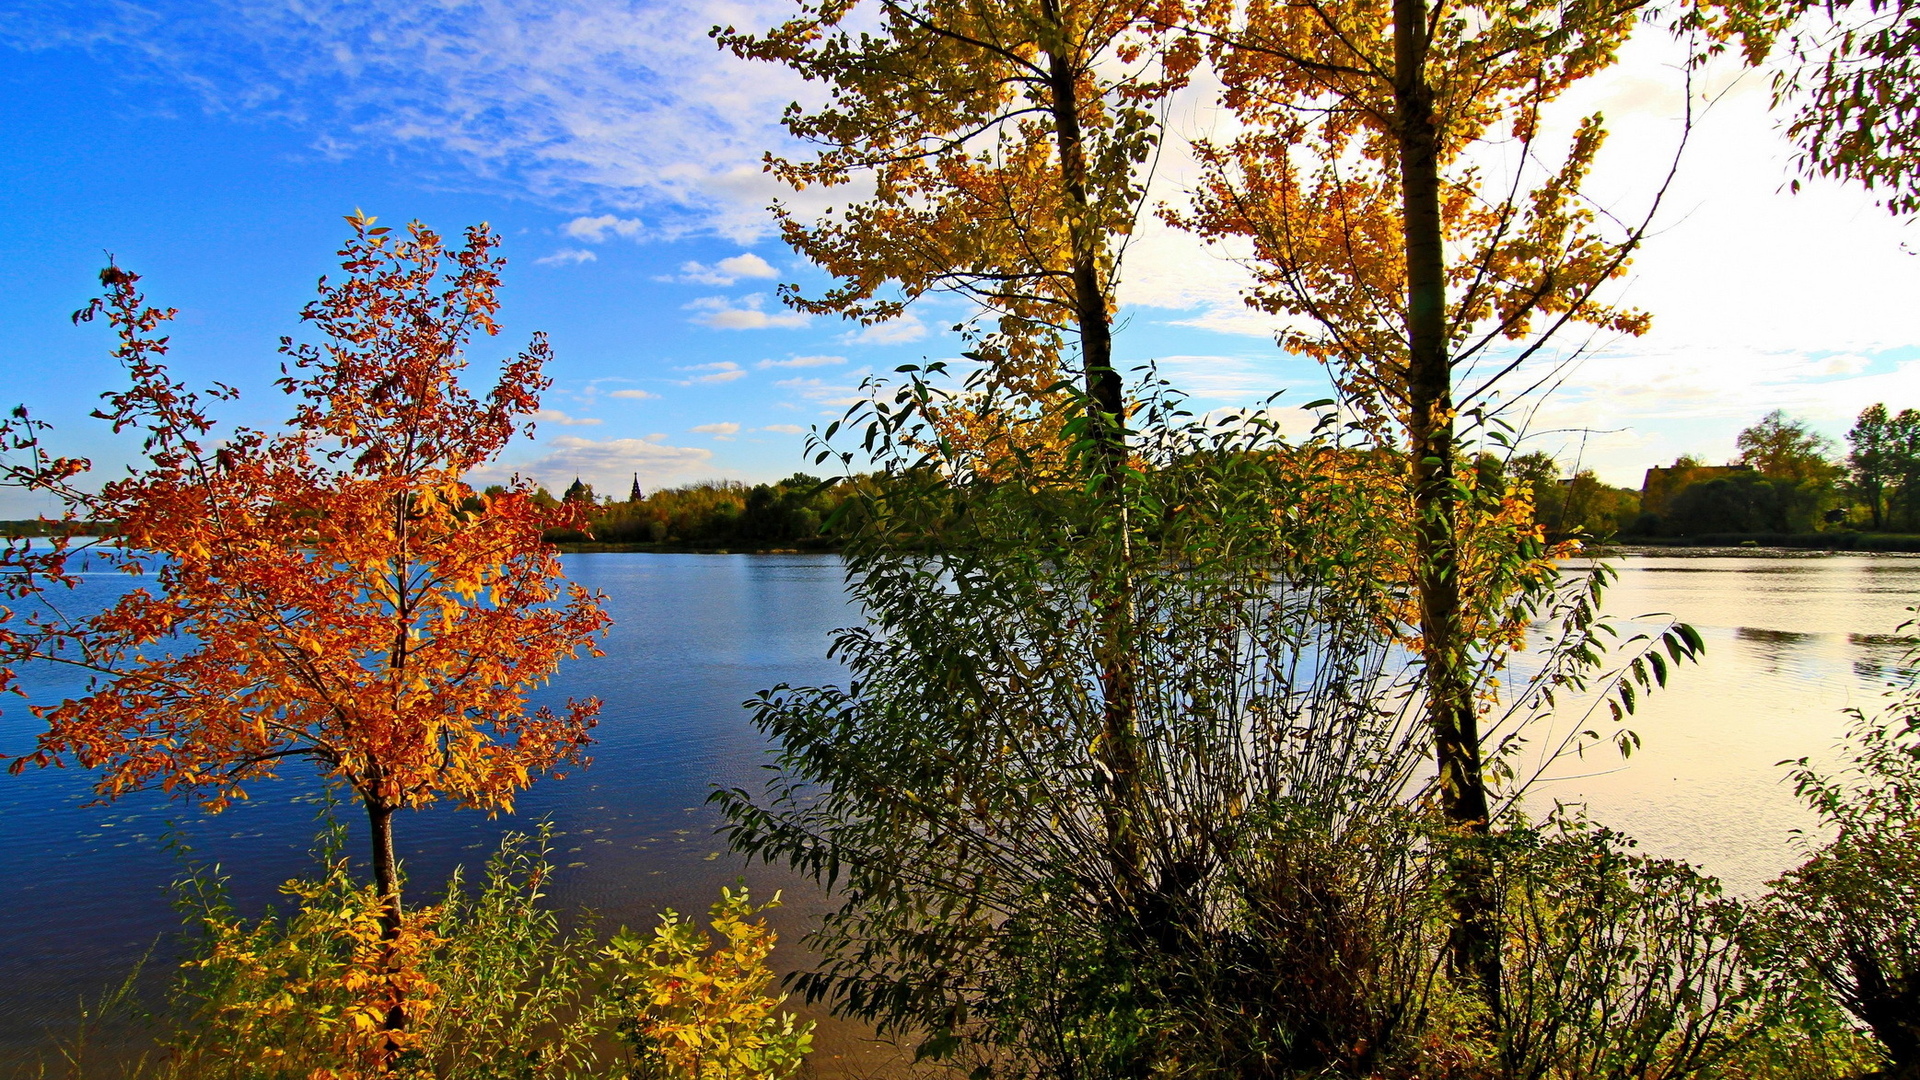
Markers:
point(1788, 481)
point(796, 513)
point(36, 527)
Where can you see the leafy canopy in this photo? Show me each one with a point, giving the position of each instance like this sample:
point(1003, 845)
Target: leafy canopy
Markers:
point(334, 591)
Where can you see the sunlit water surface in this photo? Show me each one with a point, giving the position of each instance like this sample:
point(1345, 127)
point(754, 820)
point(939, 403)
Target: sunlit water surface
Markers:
point(1791, 644)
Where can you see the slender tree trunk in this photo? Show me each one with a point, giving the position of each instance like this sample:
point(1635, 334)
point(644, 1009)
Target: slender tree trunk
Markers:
point(1475, 941)
point(1106, 408)
point(386, 870)
point(386, 882)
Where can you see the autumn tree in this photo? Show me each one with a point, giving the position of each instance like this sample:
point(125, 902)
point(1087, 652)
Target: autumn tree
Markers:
point(1417, 214)
point(1007, 146)
point(331, 591)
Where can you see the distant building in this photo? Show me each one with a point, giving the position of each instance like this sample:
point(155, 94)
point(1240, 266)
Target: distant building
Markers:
point(577, 492)
point(1663, 483)
point(635, 495)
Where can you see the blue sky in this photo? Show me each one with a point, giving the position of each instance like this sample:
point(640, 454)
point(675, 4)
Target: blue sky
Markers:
point(214, 146)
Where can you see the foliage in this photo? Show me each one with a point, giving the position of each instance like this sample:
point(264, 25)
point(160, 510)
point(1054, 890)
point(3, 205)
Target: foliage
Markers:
point(693, 1012)
point(329, 592)
point(1577, 506)
point(1883, 465)
point(1006, 144)
point(1367, 177)
point(1743, 502)
point(1780, 448)
point(495, 989)
point(491, 986)
point(1622, 966)
point(791, 512)
point(1853, 82)
point(1285, 908)
point(1845, 925)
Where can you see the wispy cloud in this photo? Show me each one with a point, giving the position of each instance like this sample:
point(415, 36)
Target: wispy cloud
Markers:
point(744, 313)
point(634, 395)
point(726, 271)
point(555, 416)
point(785, 429)
point(716, 429)
point(803, 361)
point(722, 371)
point(608, 464)
point(898, 331)
point(1242, 380)
point(821, 392)
point(596, 230)
point(625, 103)
point(567, 257)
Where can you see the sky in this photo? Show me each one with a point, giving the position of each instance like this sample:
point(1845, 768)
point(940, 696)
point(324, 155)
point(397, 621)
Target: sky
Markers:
point(214, 147)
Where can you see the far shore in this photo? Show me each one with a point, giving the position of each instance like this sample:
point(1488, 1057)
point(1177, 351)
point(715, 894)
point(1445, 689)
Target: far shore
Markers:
point(1720, 551)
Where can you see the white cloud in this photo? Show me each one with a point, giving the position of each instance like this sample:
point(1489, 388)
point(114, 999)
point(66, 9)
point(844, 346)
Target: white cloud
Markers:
point(567, 256)
point(803, 361)
point(555, 416)
point(624, 103)
point(785, 429)
point(898, 331)
point(821, 392)
point(742, 314)
point(607, 464)
point(723, 371)
point(1241, 379)
point(634, 395)
point(716, 429)
point(727, 271)
point(596, 230)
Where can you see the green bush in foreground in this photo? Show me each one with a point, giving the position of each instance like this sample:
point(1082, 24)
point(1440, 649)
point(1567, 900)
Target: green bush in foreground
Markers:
point(488, 984)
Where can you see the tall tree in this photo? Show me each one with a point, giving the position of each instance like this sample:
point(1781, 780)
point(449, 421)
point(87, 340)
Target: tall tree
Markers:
point(1883, 465)
point(1007, 144)
point(335, 591)
point(1781, 448)
point(1369, 180)
point(1870, 460)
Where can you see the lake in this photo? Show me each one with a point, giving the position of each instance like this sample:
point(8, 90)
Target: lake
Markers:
point(1791, 643)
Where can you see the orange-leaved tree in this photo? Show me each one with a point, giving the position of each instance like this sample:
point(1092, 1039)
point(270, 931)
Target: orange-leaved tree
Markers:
point(334, 591)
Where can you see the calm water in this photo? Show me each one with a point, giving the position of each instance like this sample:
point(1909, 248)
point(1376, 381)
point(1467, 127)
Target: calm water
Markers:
point(1791, 643)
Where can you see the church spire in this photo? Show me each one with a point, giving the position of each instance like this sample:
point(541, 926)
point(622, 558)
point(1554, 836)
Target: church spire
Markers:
point(634, 495)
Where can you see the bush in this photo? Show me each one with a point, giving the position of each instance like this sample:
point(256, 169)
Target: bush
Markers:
point(692, 1012)
point(484, 985)
point(1843, 932)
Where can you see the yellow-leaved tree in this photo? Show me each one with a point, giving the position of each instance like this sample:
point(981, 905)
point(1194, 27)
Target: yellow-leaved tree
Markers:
point(1006, 146)
point(1421, 216)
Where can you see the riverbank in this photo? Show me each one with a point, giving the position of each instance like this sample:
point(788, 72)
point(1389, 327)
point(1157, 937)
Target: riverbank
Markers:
point(1722, 551)
point(1855, 543)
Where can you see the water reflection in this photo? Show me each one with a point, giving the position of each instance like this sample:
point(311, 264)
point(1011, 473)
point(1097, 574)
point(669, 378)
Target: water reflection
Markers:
point(1792, 644)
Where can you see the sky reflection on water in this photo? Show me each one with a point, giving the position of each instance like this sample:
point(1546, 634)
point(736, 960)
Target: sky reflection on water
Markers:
point(1791, 644)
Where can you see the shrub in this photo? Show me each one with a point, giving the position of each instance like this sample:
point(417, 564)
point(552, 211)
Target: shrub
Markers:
point(694, 1012)
point(491, 987)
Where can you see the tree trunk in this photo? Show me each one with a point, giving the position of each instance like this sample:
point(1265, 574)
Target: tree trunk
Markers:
point(386, 882)
point(386, 870)
point(1474, 941)
point(1106, 415)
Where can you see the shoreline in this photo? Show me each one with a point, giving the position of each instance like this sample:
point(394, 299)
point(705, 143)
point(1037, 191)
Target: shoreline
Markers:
point(1722, 551)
